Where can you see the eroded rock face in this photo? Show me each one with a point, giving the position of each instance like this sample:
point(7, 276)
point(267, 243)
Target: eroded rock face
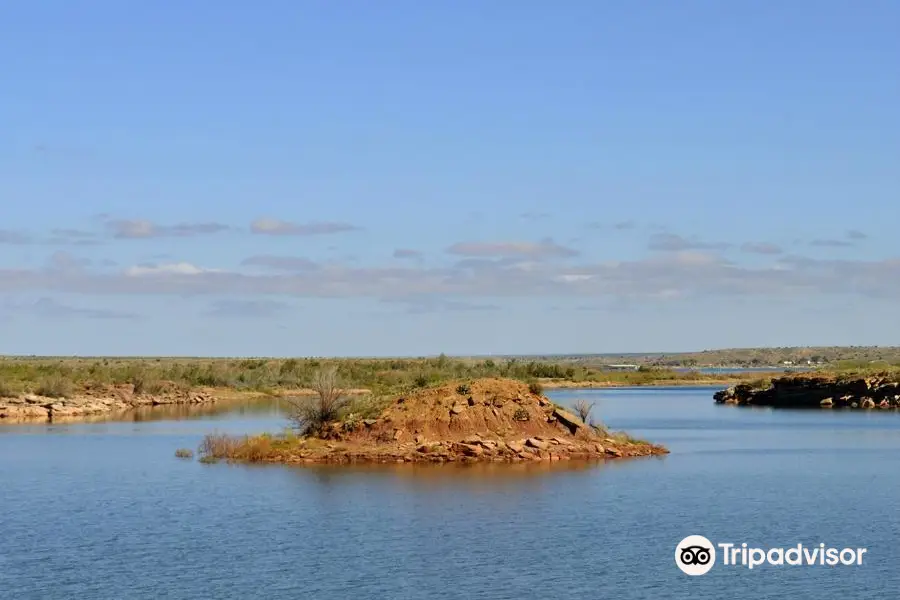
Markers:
point(816, 392)
point(31, 407)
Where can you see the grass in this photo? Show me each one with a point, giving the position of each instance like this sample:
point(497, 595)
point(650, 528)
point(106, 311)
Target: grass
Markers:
point(255, 448)
point(63, 376)
point(54, 385)
point(9, 389)
point(184, 453)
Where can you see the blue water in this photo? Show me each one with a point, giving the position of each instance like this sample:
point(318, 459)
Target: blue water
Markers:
point(104, 510)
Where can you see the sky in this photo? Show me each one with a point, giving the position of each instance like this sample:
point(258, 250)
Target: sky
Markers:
point(400, 178)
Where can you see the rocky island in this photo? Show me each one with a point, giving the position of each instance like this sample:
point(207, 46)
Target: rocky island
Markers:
point(483, 420)
point(872, 391)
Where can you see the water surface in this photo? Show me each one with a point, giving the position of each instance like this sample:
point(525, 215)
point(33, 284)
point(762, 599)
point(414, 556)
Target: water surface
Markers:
point(104, 510)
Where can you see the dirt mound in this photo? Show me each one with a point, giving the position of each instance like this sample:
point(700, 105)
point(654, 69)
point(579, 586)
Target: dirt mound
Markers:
point(488, 419)
point(494, 408)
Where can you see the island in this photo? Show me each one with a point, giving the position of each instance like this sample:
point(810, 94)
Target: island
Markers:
point(498, 420)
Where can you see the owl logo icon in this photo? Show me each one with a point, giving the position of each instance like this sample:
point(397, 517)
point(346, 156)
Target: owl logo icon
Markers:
point(695, 555)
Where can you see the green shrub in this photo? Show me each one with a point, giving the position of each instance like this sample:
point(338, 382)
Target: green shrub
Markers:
point(54, 386)
point(535, 388)
point(145, 384)
point(8, 389)
point(463, 389)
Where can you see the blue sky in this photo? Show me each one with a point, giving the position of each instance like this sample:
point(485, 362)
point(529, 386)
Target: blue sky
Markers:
point(406, 178)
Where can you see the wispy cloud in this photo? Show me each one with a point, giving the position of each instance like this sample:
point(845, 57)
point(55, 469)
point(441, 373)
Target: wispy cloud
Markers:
point(49, 308)
point(426, 304)
point(851, 238)
point(544, 249)
point(267, 226)
point(73, 237)
point(832, 243)
point(761, 248)
point(617, 226)
point(474, 283)
point(182, 268)
point(671, 242)
point(282, 263)
point(126, 229)
point(406, 253)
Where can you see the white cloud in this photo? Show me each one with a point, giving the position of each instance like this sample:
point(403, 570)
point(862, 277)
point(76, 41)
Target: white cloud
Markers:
point(181, 268)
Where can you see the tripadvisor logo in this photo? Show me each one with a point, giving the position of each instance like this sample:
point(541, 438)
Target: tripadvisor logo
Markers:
point(696, 555)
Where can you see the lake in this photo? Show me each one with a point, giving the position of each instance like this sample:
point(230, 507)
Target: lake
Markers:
point(104, 511)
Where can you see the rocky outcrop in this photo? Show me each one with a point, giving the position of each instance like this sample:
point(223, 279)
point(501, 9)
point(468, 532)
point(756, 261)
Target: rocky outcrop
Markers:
point(809, 391)
point(31, 407)
point(496, 420)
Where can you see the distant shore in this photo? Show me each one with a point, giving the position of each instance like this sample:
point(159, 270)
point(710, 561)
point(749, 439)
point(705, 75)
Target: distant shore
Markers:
point(50, 389)
point(561, 384)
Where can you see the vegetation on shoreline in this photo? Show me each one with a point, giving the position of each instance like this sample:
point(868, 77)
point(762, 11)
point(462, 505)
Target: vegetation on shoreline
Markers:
point(60, 377)
point(829, 357)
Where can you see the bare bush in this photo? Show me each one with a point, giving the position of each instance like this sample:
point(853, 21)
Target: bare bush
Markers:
point(312, 415)
point(583, 408)
point(218, 445)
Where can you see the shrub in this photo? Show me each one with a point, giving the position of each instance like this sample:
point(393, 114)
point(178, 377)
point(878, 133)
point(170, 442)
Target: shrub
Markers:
point(583, 408)
point(8, 390)
point(144, 384)
point(312, 415)
point(368, 406)
point(420, 380)
point(218, 445)
point(463, 389)
point(184, 453)
point(535, 388)
point(521, 415)
point(54, 386)
point(255, 449)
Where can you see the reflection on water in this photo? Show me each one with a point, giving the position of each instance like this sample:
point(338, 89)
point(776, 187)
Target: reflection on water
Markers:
point(233, 408)
point(472, 474)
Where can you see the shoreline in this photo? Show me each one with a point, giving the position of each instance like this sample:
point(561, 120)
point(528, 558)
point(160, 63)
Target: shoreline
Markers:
point(119, 405)
point(649, 384)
